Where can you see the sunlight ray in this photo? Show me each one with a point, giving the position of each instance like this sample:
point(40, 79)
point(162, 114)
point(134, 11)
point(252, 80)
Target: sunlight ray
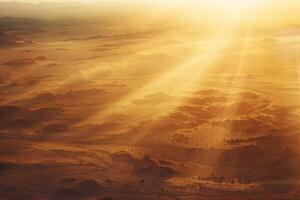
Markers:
point(88, 72)
point(190, 71)
point(236, 83)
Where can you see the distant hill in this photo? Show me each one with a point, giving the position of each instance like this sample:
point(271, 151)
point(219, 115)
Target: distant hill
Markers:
point(62, 10)
point(16, 23)
point(7, 40)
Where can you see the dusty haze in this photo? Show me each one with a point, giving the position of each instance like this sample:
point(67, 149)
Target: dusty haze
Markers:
point(146, 100)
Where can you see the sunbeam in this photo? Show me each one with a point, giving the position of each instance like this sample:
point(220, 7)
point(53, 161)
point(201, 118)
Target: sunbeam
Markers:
point(186, 74)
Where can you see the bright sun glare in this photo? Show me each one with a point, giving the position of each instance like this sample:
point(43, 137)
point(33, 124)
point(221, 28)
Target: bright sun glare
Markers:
point(238, 4)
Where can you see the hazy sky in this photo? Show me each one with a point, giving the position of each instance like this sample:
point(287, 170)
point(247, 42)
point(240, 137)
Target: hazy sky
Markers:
point(41, 1)
point(267, 7)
